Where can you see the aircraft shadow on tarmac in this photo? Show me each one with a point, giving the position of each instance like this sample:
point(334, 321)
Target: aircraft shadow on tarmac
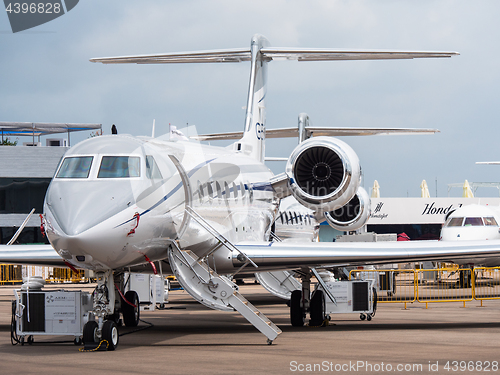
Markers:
point(212, 333)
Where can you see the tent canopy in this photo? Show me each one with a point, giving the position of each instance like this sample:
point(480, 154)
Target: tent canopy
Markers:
point(42, 128)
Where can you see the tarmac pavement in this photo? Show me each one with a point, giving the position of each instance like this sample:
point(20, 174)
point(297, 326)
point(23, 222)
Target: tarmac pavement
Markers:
point(187, 338)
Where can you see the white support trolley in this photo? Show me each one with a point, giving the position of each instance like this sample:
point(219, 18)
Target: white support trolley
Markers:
point(49, 312)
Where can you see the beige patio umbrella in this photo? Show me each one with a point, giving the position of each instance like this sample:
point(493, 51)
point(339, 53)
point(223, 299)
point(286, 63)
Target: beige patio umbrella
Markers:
point(376, 190)
point(425, 190)
point(467, 190)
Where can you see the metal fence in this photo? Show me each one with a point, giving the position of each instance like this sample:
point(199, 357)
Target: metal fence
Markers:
point(10, 274)
point(13, 274)
point(450, 284)
point(486, 283)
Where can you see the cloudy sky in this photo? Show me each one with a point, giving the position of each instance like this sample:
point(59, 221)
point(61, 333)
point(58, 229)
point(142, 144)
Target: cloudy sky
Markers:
point(46, 76)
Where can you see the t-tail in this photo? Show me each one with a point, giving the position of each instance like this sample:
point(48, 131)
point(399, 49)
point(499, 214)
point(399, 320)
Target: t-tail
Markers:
point(253, 141)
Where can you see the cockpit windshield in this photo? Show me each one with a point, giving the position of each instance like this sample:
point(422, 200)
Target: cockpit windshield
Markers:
point(75, 167)
point(152, 170)
point(472, 221)
point(119, 167)
point(490, 221)
point(455, 222)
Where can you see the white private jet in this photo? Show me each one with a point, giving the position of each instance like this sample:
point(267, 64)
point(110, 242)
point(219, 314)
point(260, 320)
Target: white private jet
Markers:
point(472, 222)
point(120, 203)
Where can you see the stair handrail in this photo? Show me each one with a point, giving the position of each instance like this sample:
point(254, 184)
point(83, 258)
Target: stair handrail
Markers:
point(323, 284)
point(217, 235)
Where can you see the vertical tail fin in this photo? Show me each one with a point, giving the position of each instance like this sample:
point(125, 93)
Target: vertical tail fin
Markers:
point(252, 142)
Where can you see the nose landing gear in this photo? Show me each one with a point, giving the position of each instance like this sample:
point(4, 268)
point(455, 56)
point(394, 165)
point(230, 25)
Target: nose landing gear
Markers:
point(101, 333)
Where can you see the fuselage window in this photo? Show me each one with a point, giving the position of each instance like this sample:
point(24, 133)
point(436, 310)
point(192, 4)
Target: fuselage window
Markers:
point(473, 221)
point(119, 167)
point(75, 167)
point(152, 170)
point(490, 221)
point(455, 222)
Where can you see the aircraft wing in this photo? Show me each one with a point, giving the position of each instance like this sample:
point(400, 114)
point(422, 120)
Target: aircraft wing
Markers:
point(488, 162)
point(40, 255)
point(312, 131)
point(286, 255)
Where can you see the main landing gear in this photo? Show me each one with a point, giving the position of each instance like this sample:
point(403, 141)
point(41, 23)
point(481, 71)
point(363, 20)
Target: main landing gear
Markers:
point(301, 303)
point(102, 331)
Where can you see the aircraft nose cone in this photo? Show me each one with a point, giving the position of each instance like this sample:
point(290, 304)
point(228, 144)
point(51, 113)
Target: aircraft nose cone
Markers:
point(78, 206)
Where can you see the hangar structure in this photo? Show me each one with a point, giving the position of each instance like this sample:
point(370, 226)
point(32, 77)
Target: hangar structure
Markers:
point(26, 170)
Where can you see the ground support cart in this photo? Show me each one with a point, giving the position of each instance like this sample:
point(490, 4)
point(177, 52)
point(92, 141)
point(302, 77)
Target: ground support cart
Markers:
point(57, 312)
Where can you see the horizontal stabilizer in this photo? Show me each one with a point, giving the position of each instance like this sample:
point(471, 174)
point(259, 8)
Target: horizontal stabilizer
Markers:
point(275, 158)
point(316, 132)
point(320, 54)
point(269, 54)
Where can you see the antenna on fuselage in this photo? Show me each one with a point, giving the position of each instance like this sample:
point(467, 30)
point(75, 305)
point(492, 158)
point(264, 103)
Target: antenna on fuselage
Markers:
point(153, 131)
point(114, 130)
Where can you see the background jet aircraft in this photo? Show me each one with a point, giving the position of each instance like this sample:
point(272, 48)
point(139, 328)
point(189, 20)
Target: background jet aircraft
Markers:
point(120, 202)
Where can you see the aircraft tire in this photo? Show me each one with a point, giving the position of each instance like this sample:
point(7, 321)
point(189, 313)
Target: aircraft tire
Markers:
point(131, 314)
point(110, 334)
point(89, 332)
point(317, 308)
point(297, 313)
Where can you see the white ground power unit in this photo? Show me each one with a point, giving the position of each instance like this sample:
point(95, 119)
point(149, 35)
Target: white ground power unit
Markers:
point(152, 290)
point(56, 312)
point(353, 296)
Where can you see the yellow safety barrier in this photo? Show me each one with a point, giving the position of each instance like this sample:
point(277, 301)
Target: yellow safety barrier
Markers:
point(65, 275)
point(394, 286)
point(10, 274)
point(450, 284)
point(486, 283)
point(13, 274)
point(445, 285)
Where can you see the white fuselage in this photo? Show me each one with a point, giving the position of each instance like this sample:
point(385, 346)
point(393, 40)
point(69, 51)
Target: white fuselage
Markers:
point(119, 200)
point(295, 223)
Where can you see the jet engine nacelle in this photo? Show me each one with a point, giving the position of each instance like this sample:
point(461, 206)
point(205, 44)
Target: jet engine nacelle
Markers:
point(353, 215)
point(323, 173)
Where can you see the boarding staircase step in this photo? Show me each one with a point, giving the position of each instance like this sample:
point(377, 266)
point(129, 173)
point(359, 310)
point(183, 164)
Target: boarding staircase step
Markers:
point(216, 291)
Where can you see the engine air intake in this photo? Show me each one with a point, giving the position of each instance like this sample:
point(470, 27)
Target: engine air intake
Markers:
point(319, 171)
point(323, 173)
point(348, 212)
point(353, 215)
